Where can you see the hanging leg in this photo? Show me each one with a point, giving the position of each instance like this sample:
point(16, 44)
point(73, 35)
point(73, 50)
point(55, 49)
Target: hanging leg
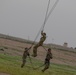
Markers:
point(35, 50)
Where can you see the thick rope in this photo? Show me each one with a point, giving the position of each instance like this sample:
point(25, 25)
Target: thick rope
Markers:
point(39, 67)
point(46, 18)
point(31, 62)
point(42, 27)
point(46, 15)
point(51, 10)
point(44, 48)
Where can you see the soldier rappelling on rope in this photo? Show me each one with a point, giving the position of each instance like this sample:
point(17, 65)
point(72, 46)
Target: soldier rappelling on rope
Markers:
point(43, 38)
point(40, 43)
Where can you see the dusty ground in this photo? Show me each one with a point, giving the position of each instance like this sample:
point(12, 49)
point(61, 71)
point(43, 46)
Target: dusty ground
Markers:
point(16, 48)
point(3, 74)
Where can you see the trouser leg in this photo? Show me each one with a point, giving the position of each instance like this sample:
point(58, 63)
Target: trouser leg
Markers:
point(24, 61)
point(46, 66)
point(35, 50)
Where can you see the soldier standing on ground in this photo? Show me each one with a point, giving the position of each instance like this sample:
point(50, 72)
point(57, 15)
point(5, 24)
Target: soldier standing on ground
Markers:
point(25, 54)
point(47, 59)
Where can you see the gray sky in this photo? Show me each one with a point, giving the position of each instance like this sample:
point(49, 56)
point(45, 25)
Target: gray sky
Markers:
point(23, 18)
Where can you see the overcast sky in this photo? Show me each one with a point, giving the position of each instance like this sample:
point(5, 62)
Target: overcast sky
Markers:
point(24, 18)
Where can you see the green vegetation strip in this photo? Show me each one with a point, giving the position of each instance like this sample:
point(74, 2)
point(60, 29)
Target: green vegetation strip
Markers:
point(11, 65)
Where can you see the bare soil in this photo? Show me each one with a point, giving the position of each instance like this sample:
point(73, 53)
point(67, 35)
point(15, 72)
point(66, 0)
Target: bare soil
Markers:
point(4, 74)
point(16, 48)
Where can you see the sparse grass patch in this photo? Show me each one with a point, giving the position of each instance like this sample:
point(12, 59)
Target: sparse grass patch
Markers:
point(11, 64)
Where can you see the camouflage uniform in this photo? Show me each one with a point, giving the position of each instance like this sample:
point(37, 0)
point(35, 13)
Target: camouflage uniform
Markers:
point(40, 43)
point(47, 60)
point(25, 54)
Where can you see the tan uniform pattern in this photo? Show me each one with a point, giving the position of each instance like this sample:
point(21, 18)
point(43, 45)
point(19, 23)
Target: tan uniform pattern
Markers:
point(40, 43)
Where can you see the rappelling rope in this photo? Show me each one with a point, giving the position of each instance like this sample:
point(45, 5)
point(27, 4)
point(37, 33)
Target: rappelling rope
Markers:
point(51, 10)
point(46, 15)
point(46, 18)
point(42, 27)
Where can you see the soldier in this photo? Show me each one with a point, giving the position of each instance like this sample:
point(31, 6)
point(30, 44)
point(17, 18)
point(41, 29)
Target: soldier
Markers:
point(25, 54)
point(40, 43)
point(47, 59)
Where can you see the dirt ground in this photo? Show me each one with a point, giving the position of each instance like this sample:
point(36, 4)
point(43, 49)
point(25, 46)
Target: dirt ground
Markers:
point(16, 48)
point(4, 74)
